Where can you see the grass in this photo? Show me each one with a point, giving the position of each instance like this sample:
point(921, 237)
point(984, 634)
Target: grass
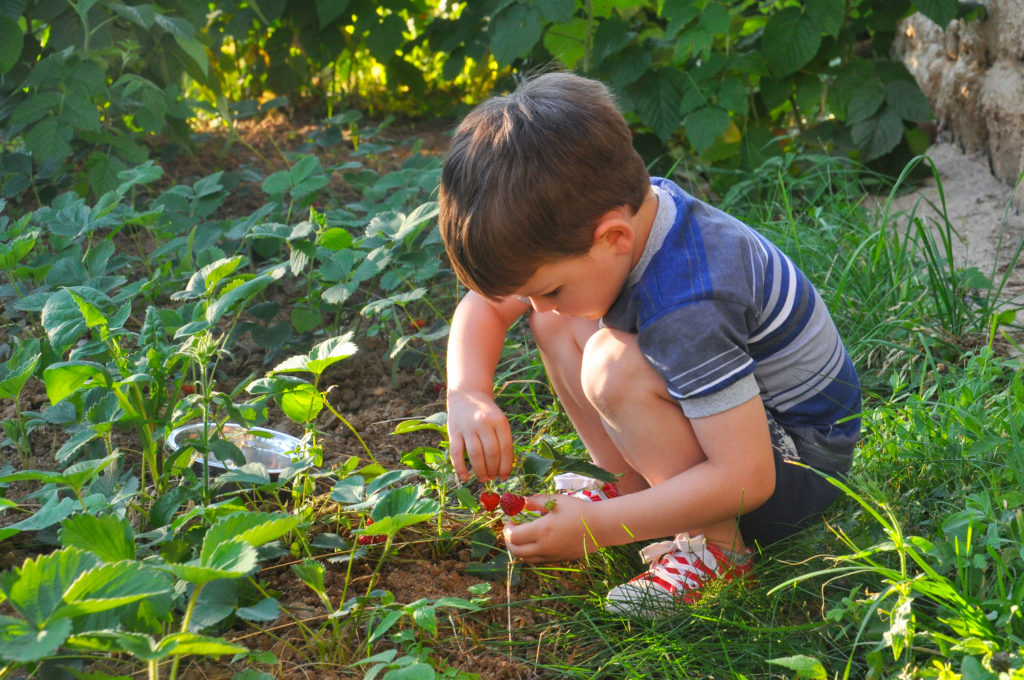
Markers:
point(918, 570)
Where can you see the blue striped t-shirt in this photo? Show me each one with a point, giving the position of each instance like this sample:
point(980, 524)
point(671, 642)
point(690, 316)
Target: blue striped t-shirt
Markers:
point(723, 315)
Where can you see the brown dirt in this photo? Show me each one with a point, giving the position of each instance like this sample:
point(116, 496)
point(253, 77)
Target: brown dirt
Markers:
point(373, 398)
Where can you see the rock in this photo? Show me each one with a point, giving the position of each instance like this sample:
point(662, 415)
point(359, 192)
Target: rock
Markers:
point(973, 74)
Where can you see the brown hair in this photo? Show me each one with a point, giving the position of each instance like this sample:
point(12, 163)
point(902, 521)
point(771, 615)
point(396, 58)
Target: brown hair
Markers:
point(529, 174)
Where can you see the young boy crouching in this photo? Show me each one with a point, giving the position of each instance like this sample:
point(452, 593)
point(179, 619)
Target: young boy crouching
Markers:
point(693, 358)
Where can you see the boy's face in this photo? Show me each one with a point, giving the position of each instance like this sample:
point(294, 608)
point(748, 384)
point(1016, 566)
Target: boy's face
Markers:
point(583, 286)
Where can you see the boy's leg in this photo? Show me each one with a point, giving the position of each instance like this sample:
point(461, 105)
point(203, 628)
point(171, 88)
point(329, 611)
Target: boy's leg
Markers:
point(561, 340)
point(644, 423)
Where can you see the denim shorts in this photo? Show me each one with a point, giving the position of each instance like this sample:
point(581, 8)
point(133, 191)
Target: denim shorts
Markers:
point(801, 494)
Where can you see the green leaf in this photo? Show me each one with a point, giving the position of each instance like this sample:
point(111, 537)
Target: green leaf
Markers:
point(112, 585)
point(20, 642)
point(49, 139)
point(35, 107)
point(790, 40)
point(236, 294)
point(865, 101)
point(62, 321)
point(400, 508)
point(206, 279)
point(302, 402)
point(906, 98)
point(109, 537)
point(567, 41)
point(140, 15)
point(384, 40)
point(805, 666)
point(514, 31)
point(234, 559)
point(658, 97)
point(36, 589)
point(716, 19)
point(678, 13)
point(329, 10)
point(322, 355)
point(53, 511)
point(557, 10)
point(827, 15)
point(415, 671)
point(704, 126)
point(878, 135)
point(940, 11)
point(64, 378)
point(11, 41)
point(19, 368)
point(266, 609)
point(254, 528)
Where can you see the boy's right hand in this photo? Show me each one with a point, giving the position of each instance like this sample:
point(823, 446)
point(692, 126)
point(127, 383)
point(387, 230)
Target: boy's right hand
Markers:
point(479, 431)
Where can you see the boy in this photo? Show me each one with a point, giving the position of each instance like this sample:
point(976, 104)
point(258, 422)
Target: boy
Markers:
point(692, 357)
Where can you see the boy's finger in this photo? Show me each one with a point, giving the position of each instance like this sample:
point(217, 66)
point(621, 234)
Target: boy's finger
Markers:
point(544, 502)
point(457, 453)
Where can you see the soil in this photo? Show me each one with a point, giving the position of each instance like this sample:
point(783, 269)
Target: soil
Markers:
point(988, 227)
point(373, 396)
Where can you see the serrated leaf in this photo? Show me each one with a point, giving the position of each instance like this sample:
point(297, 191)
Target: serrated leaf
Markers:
point(878, 135)
point(827, 15)
point(11, 42)
point(112, 585)
point(233, 559)
point(266, 609)
point(22, 643)
point(64, 378)
point(236, 294)
point(514, 31)
point(716, 19)
point(566, 41)
point(322, 355)
point(53, 511)
point(49, 139)
point(400, 508)
point(908, 101)
point(301, 402)
point(805, 666)
point(253, 528)
point(36, 589)
point(109, 537)
point(790, 40)
point(705, 125)
point(658, 97)
point(865, 101)
point(940, 11)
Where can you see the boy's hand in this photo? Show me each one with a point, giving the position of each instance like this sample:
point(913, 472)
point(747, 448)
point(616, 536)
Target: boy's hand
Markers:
point(479, 431)
point(560, 534)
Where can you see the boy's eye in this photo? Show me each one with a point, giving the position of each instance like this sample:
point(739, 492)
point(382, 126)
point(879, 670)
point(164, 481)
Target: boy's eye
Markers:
point(552, 293)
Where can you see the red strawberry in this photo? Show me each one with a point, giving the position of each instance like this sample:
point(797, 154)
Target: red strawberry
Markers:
point(418, 324)
point(367, 539)
point(489, 500)
point(512, 504)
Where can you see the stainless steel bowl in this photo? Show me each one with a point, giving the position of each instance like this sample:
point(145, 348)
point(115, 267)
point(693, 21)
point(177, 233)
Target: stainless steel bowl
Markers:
point(276, 450)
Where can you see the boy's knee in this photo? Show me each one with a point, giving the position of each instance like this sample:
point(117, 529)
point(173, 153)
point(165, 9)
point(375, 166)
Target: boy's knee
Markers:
point(613, 369)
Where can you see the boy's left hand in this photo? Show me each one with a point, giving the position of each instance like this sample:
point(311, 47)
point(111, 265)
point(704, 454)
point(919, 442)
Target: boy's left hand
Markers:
point(560, 534)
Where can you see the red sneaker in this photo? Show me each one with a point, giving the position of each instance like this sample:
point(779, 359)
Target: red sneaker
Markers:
point(680, 571)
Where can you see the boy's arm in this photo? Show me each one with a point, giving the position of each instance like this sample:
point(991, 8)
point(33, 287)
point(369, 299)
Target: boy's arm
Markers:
point(738, 476)
point(477, 429)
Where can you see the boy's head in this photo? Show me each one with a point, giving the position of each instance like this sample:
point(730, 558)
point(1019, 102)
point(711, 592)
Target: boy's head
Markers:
point(528, 176)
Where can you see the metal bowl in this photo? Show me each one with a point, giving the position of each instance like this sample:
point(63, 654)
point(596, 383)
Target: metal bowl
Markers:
point(276, 450)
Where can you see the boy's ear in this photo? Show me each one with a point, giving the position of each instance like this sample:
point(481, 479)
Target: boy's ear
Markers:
point(614, 229)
